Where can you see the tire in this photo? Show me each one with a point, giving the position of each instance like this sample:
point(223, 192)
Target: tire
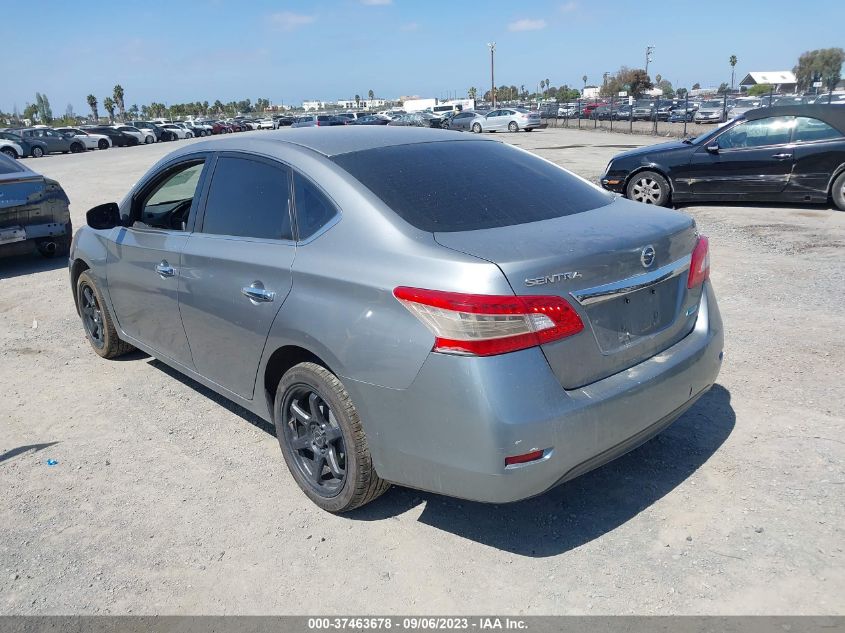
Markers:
point(102, 144)
point(149, 139)
point(476, 127)
point(76, 148)
point(37, 152)
point(189, 135)
point(837, 191)
point(648, 187)
point(98, 324)
point(10, 152)
point(513, 127)
point(327, 428)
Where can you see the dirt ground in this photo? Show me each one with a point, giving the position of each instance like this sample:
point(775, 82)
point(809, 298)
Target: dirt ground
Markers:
point(168, 500)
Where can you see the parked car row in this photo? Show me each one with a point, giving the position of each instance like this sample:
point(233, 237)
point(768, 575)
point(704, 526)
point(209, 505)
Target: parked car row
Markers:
point(35, 142)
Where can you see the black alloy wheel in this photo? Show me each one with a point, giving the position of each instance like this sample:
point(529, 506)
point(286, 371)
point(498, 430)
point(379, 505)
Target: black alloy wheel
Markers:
point(92, 316)
point(315, 440)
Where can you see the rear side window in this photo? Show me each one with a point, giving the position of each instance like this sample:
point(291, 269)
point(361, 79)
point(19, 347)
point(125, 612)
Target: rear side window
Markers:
point(808, 130)
point(248, 198)
point(313, 209)
point(469, 185)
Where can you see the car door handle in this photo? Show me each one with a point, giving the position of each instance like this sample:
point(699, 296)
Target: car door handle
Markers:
point(257, 293)
point(164, 269)
point(782, 156)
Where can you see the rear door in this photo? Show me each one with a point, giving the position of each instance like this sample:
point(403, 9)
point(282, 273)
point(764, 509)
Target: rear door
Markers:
point(144, 261)
point(753, 157)
point(236, 268)
point(819, 151)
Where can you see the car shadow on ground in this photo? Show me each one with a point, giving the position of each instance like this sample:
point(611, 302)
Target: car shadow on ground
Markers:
point(227, 404)
point(586, 508)
point(28, 262)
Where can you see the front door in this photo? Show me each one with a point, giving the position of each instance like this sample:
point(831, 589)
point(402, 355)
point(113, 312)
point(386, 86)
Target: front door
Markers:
point(236, 269)
point(144, 265)
point(752, 157)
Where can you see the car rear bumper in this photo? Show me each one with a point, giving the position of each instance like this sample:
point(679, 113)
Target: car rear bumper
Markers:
point(451, 430)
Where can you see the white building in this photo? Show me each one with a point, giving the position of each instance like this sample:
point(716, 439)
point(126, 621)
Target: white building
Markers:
point(590, 92)
point(782, 80)
point(312, 105)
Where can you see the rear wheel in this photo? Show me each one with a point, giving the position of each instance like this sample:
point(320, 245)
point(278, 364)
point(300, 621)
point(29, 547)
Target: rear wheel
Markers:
point(837, 192)
point(99, 327)
point(149, 139)
point(10, 152)
point(76, 148)
point(37, 152)
point(476, 127)
point(102, 144)
point(648, 187)
point(322, 440)
point(513, 127)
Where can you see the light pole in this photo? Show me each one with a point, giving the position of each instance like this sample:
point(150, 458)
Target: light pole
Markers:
point(648, 51)
point(492, 46)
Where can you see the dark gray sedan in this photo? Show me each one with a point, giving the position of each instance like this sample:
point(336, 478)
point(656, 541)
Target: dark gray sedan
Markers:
point(407, 306)
point(54, 141)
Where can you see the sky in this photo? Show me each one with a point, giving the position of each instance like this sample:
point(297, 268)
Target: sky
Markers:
point(286, 51)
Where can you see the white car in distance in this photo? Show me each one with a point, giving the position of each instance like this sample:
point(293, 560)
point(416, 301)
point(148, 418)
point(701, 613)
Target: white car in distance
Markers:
point(180, 132)
point(133, 131)
point(89, 140)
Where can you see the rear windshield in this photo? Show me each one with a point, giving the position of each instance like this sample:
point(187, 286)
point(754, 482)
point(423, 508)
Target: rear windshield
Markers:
point(469, 185)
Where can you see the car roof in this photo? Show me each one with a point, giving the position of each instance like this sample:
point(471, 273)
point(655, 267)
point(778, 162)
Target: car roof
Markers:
point(833, 115)
point(331, 141)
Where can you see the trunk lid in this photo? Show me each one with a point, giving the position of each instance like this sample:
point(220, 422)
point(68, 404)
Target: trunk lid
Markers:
point(594, 260)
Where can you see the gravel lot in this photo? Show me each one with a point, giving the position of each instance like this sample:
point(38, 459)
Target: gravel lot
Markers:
point(168, 500)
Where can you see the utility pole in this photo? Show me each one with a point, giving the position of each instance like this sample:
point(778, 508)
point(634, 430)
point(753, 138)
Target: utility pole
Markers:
point(648, 51)
point(492, 46)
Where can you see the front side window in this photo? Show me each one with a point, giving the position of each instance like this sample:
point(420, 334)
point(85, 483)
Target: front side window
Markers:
point(248, 198)
point(168, 205)
point(758, 133)
point(313, 209)
point(808, 130)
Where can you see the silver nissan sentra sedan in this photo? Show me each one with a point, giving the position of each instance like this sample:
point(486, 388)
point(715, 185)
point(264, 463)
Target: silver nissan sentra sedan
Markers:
point(407, 306)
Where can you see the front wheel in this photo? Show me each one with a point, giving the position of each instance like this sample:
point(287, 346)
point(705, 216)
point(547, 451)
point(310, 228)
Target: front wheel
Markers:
point(149, 139)
point(99, 326)
point(476, 127)
point(513, 127)
point(76, 148)
point(837, 192)
point(37, 152)
point(102, 144)
point(10, 152)
point(322, 440)
point(648, 187)
point(189, 135)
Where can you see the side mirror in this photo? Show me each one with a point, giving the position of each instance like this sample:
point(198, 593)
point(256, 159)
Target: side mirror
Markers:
point(713, 148)
point(103, 216)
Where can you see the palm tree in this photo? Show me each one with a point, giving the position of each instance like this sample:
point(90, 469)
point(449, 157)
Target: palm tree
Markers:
point(357, 101)
point(732, 61)
point(584, 79)
point(371, 95)
point(472, 93)
point(92, 103)
point(108, 104)
point(118, 99)
point(658, 79)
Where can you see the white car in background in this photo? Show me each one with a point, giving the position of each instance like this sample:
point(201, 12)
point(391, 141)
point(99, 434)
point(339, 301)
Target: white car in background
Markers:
point(10, 149)
point(180, 132)
point(90, 141)
point(267, 124)
point(133, 131)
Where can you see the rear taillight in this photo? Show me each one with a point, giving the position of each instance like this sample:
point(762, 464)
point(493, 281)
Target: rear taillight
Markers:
point(486, 325)
point(699, 268)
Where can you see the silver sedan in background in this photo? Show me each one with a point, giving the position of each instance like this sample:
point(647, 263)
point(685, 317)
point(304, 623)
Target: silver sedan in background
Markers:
point(462, 121)
point(506, 119)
